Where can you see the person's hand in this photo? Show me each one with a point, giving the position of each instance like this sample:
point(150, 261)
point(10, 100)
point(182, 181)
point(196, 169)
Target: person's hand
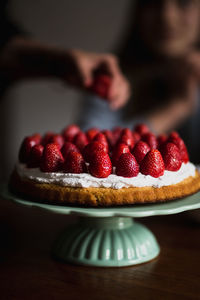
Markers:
point(84, 66)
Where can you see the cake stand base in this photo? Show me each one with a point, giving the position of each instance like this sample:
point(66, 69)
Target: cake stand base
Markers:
point(106, 242)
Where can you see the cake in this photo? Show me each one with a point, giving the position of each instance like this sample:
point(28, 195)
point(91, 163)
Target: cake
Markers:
point(104, 168)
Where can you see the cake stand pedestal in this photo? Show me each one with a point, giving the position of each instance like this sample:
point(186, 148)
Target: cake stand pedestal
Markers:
point(109, 237)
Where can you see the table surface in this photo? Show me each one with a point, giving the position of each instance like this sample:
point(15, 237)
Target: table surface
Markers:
point(27, 270)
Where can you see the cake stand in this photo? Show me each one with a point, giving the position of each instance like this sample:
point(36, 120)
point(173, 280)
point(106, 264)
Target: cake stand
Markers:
point(108, 237)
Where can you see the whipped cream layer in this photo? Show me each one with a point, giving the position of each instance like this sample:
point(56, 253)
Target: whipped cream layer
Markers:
point(113, 181)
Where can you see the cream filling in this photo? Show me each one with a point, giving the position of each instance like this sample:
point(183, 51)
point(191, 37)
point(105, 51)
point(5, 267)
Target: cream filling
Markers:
point(113, 181)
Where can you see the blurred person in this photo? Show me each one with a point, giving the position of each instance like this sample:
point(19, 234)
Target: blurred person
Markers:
point(160, 56)
point(22, 57)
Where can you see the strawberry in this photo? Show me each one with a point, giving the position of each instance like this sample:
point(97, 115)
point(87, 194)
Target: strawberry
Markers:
point(150, 139)
point(128, 140)
point(152, 164)
point(100, 137)
point(25, 148)
point(116, 134)
point(52, 159)
point(93, 147)
point(91, 133)
point(67, 148)
point(171, 156)
point(136, 136)
point(69, 132)
point(161, 139)
point(126, 131)
point(127, 165)
point(101, 85)
point(100, 165)
point(176, 139)
point(141, 129)
point(57, 139)
point(37, 137)
point(35, 156)
point(118, 151)
point(80, 140)
point(74, 163)
point(46, 138)
point(109, 136)
point(140, 150)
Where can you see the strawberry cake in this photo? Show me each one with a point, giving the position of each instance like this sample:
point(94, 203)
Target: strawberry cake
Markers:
point(104, 168)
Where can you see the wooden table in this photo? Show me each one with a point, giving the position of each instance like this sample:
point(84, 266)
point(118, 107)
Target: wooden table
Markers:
point(27, 270)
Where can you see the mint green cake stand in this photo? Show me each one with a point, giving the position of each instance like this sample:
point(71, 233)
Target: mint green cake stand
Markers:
point(109, 237)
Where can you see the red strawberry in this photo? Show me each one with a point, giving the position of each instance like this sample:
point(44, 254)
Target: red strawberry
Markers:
point(116, 134)
point(100, 137)
point(67, 148)
point(171, 156)
point(52, 159)
point(91, 148)
point(161, 139)
point(80, 140)
point(126, 131)
point(141, 129)
point(37, 137)
point(150, 139)
point(152, 164)
point(136, 136)
point(101, 85)
point(118, 151)
point(140, 150)
point(35, 156)
point(75, 163)
point(91, 133)
point(176, 139)
point(127, 166)
point(46, 138)
point(57, 139)
point(100, 165)
point(69, 132)
point(109, 136)
point(128, 140)
point(25, 148)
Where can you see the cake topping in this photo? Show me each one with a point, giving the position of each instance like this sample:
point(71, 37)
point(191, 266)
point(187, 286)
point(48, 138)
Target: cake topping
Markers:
point(26, 146)
point(100, 164)
point(118, 151)
point(35, 156)
point(91, 148)
point(100, 137)
point(153, 164)
point(150, 154)
point(150, 139)
point(57, 139)
point(52, 159)
point(91, 133)
point(74, 163)
point(127, 166)
point(140, 150)
point(80, 140)
point(141, 129)
point(176, 139)
point(171, 156)
point(69, 132)
point(67, 148)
